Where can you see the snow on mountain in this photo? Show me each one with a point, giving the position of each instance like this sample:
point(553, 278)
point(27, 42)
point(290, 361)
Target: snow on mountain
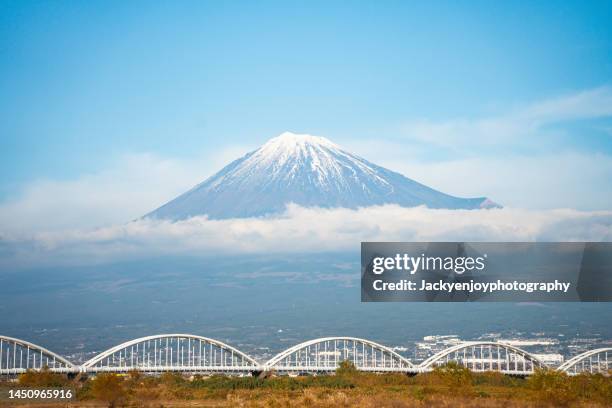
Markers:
point(309, 171)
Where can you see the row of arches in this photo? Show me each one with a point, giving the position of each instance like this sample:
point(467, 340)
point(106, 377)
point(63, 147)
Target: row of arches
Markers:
point(192, 353)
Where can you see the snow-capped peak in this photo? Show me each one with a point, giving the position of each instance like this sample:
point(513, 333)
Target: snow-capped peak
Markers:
point(291, 141)
point(289, 145)
point(291, 155)
point(306, 170)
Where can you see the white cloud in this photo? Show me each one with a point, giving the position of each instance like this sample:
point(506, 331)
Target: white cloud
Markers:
point(303, 230)
point(133, 186)
point(523, 123)
point(570, 180)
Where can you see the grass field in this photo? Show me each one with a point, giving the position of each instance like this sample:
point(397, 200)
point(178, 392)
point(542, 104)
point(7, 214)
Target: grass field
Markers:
point(448, 386)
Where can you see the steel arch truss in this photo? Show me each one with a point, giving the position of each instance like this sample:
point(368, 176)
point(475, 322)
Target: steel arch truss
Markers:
point(325, 354)
point(598, 361)
point(172, 352)
point(486, 356)
point(18, 356)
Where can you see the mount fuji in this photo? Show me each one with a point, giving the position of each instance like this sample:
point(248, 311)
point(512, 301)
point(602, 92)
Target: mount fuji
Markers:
point(309, 171)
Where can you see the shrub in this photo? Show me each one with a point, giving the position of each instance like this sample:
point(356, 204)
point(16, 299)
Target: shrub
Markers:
point(496, 379)
point(43, 378)
point(453, 375)
point(592, 387)
point(419, 393)
point(346, 368)
point(552, 386)
point(108, 388)
point(277, 383)
point(173, 379)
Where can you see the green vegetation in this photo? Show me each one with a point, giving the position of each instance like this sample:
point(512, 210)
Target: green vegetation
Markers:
point(447, 386)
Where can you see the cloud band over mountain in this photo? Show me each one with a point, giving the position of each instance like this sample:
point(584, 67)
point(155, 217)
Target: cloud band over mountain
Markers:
point(304, 230)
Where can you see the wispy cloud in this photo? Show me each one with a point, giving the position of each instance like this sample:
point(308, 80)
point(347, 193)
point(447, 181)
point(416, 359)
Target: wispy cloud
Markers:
point(519, 123)
point(520, 158)
point(306, 230)
point(548, 181)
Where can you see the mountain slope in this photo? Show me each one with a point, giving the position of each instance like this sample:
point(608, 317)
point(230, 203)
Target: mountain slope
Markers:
point(309, 171)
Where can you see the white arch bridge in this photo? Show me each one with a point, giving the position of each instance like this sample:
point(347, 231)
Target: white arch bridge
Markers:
point(17, 356)
point(193, 354)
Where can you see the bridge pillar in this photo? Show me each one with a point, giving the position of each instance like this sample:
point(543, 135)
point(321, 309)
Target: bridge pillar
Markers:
point(261, 374)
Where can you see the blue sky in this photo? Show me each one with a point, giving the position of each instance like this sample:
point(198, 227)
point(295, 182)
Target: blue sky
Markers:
point(91, 89)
